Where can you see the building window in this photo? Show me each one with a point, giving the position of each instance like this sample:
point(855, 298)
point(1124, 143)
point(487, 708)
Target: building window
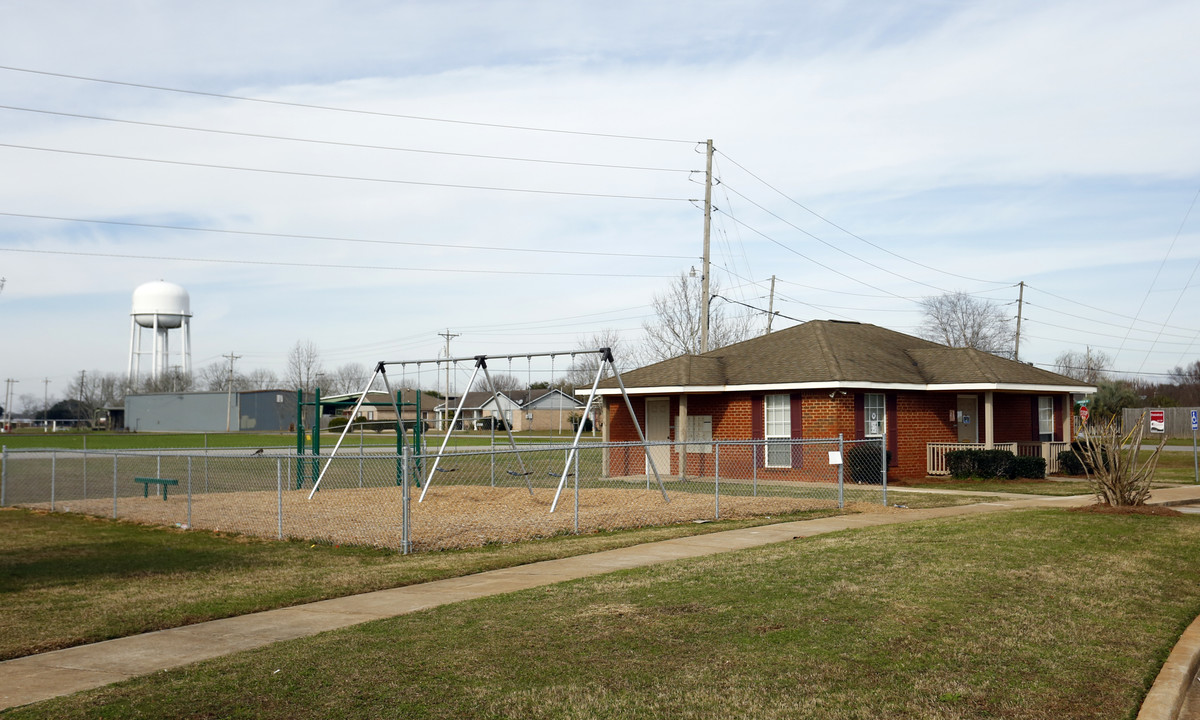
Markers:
point(874, 415)
point(778, 426)
point(1045, 418)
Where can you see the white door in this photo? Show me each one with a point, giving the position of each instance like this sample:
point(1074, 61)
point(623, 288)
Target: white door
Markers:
point(968, 419)
point(658, 429)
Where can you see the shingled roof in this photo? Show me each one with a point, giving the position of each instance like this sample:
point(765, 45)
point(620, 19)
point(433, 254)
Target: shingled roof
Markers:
point(832, 353)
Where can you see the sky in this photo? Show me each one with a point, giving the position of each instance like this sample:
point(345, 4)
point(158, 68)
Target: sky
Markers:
point(366, 176)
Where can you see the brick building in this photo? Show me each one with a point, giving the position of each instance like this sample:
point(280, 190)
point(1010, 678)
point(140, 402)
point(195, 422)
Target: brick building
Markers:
point(825, 378)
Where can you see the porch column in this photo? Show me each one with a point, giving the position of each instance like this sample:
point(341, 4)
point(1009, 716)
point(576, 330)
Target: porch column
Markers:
point(681, 425)
point(989, 432)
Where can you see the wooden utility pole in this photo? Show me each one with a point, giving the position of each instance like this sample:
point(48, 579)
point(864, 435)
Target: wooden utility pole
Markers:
point(229, 393)
point(705, 300)
point(446, 399)
point(771, 307)
point(1020, 306)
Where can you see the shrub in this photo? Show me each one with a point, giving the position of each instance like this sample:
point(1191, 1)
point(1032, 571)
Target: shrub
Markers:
point(1069, 463)
point(338, 422)
point(981, 463)
point(1029, 466)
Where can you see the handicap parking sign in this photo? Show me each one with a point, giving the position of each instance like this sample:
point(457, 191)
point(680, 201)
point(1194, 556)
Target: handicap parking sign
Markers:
point(1195, 419)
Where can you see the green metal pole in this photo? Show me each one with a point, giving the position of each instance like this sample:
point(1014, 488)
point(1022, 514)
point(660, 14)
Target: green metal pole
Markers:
point(299, 439)
point(316, 434)
point(418, 429)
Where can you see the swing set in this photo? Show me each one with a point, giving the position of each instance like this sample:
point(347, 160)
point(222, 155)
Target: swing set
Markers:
point(481, 365)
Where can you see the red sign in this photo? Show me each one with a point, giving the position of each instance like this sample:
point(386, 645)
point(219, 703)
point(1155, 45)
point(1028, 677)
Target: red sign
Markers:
point(1158, 421)
point(1083, 413)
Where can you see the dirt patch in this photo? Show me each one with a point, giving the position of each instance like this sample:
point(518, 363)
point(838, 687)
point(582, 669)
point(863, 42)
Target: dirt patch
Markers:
point(449, 517)
point(1104, 509)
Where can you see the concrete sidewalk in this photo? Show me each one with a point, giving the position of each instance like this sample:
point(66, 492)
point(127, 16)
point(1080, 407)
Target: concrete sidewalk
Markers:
point(61, 672)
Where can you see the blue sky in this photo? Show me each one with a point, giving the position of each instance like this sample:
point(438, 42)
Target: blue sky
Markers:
point(969, 145)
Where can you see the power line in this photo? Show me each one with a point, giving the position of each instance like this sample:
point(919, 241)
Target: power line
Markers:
point(334, 238)
point(363, 146)
point(325, 176)
point(327, 266)
point(309, 106)
point(851, 234)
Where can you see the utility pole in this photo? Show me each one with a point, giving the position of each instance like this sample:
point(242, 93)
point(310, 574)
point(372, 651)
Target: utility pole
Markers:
point(705, 300)
point(8, 383)
point(446, 398)
point(771, 307)
point(229, 394)
point(1020, 305)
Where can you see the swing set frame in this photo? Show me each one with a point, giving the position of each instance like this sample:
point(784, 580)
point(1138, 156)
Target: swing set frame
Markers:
point(606, 360)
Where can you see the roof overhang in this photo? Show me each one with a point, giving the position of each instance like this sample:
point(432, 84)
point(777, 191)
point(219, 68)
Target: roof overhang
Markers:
point(788, 387)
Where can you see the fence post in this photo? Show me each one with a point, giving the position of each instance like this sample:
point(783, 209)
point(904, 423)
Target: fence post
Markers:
point(717, 493)
point(279, 495)
point(841, 475)
point(53, 476)
point(4, 476)
point(189, 517)
point(754, 464)
point(405, 544)
point(114, 486)
point(883, 463)
point(85, 468)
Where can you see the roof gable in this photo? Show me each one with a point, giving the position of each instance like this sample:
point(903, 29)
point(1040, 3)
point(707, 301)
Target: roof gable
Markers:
point(838, 353)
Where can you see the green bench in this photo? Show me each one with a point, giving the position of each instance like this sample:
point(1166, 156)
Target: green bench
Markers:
point(147, 482)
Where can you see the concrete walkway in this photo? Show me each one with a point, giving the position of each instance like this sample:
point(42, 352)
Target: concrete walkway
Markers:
point(61, 672)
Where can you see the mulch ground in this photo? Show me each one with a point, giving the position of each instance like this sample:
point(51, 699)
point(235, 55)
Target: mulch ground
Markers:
point(450, 516)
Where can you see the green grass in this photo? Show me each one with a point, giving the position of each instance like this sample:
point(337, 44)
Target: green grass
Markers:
point(1035, 614)
point(68, 579)
point(1023, 487)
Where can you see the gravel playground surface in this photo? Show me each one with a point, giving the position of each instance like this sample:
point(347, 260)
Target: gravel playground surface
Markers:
point(450, 516)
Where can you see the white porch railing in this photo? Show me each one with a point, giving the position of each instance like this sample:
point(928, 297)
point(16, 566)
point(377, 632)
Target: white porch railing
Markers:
point(935, 453)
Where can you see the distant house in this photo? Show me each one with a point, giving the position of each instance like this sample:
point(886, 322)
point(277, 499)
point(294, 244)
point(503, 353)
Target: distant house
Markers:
point(825, 378)
point(546, 410)
point(378, 406)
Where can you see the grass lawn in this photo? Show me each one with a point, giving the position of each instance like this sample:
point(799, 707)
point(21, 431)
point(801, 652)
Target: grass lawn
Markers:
point(1024, 487)
point(1023, 614)
point(69, 579)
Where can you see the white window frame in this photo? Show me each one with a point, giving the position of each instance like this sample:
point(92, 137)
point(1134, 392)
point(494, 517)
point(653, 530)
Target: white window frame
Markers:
point(777, 424)
point(874, 426)
point(1046, 418)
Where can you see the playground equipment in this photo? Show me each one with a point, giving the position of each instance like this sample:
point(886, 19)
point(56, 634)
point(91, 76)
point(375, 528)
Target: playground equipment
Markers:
point(317, 403)
point(605, 361)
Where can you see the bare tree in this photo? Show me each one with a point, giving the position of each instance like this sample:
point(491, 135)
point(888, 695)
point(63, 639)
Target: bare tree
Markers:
point(1090, 366)
point(505, 383)
point(582, 370)
point(678, 311)
point(262, 379)
point(1115, 469)
point(303, 366)
point(214, 377)
point(959, 320)
point(349, 378)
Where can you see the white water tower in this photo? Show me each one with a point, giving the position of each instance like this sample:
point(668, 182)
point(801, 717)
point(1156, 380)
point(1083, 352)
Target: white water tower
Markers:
point(160, 307)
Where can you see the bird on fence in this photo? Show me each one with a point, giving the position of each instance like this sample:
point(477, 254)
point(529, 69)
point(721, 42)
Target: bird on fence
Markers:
point(257, 452)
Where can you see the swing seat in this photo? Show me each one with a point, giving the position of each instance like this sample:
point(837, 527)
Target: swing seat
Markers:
point(447, 469)
point(514, 473)
point(554, 474)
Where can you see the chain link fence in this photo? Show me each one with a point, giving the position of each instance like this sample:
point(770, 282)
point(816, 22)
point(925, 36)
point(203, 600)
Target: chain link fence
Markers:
point(465, 498)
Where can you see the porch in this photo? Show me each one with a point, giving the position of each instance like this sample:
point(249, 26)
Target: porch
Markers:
point(935, 453)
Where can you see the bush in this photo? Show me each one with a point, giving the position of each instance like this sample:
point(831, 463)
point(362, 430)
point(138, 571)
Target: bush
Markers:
point(862, 462)
point(1069, 463)
point(338, 422)
point(982, 464)
point(1029, 466)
